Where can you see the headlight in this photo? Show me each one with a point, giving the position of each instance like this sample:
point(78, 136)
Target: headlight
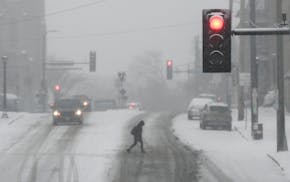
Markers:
point(85, 103)
point(78, 112)
point(56, 113)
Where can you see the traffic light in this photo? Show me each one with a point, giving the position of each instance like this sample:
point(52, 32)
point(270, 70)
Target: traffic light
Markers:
point(57, 92)
point(92, 61)
point(169, 65)
point(57, 88)
point(216, 40)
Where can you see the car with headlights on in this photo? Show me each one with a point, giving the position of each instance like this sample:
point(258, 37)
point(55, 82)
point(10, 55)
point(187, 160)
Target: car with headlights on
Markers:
point(67, 111)
point(216, 115)
point(86, 102)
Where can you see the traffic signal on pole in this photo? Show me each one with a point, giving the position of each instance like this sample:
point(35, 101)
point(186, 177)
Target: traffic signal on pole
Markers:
point(57, 88)
point(92, 61)
point(169, 68)
point(216, 40)
point(57, 92)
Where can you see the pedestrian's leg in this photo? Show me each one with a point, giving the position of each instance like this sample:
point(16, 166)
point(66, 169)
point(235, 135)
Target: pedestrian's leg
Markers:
point(142, 148)
point(135, 142)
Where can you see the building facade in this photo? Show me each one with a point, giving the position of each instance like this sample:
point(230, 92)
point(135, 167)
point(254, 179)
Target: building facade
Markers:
point(22, 33)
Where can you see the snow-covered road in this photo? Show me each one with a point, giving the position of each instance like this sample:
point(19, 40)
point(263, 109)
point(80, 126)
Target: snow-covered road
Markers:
point(32, 149)
point(165, 159)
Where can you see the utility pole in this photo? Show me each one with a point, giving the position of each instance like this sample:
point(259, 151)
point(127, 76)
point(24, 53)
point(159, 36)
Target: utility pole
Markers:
point(228, 76)
point(43, 70)
point(4, 114)
point(281, 136)
point(254, 68)
point(241, 66)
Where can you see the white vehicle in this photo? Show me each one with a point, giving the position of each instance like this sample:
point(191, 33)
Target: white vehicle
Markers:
point(208, 96)
point(270, 99)
point(195, 107)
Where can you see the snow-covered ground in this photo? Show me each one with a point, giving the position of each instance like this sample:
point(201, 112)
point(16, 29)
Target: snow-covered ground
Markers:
point(91, 148)
point(15, 126)
point(235, 153)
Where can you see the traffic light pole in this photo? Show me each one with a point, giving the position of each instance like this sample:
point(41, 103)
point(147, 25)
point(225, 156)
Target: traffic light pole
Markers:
point(4, 114)
point(254, 69)
point(281, 136)
point(241, 67)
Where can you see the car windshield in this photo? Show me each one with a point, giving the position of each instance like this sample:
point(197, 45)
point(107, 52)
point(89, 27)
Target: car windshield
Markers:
point(219, 108)
point(68, 104)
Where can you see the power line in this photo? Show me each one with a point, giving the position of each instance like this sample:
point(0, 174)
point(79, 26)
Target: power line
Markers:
point(122, 32)
point(31, 18)
point(127, 31)
point(75, 8)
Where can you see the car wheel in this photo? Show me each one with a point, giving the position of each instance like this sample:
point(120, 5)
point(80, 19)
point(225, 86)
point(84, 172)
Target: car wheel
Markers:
point(201, 126)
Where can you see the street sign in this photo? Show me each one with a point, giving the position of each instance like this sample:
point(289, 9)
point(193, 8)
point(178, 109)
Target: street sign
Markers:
point(245, 79)
point(122, 91)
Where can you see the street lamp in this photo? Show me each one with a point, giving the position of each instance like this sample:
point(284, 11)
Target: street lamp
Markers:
point(4, 113)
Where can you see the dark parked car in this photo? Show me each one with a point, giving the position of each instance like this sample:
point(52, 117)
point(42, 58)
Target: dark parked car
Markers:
point(67, 111)
point(216, 115)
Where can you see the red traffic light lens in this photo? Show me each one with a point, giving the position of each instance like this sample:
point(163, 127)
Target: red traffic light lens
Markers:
point(216, 23)
point(169, 63)
point(57, 88)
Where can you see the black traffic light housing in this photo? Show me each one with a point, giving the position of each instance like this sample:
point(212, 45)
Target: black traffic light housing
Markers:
point(92, 61)
point(169, 69)
point(57, 90)
point(216, 40)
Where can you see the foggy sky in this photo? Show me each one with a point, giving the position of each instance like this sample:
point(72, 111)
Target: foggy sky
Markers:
point(73, 38)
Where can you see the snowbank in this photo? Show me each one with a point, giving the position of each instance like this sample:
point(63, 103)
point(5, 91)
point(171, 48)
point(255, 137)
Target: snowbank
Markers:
point(237, 156)
point(267, 116)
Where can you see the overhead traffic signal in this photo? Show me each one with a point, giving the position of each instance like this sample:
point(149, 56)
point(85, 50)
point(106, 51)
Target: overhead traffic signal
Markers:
point(57, 93)
point(57, 88)
point(216, 40)
point(169, 68)
point(92, 61)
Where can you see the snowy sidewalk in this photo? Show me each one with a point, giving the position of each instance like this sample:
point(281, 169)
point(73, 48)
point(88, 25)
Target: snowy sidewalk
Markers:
point(240, 158)
point(267, 116)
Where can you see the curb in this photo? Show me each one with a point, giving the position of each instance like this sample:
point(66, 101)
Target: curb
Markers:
point(275, 161)
point(241, 134)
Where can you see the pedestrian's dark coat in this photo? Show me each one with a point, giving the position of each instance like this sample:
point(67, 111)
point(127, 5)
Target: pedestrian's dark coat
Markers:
point(137, 133)
point(137, 130)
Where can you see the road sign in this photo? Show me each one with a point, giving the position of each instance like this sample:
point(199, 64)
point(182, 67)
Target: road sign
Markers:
point(122, 91)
